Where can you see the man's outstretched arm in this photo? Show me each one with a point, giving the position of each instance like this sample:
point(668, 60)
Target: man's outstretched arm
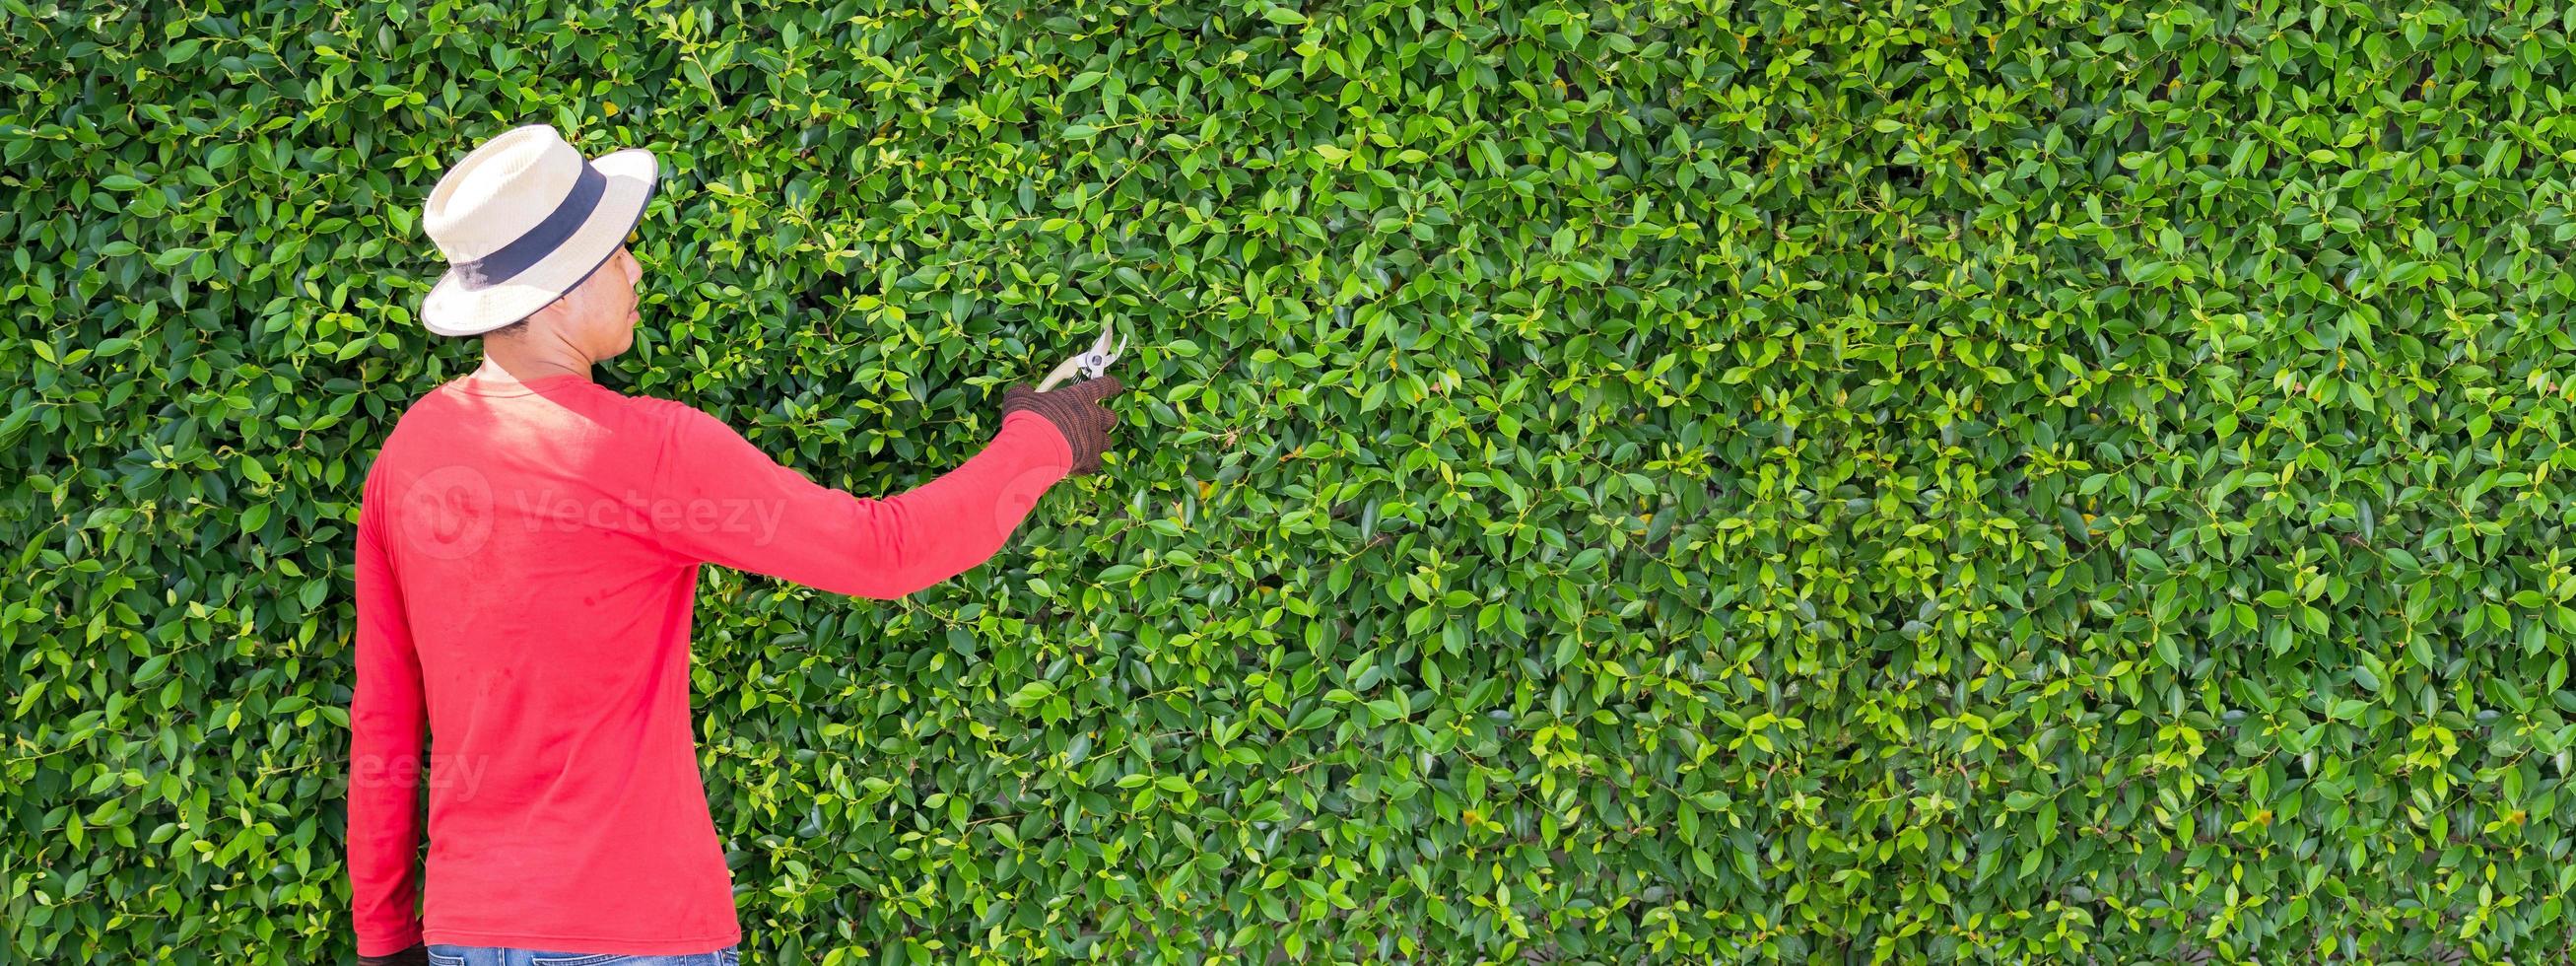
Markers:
point(723, 501)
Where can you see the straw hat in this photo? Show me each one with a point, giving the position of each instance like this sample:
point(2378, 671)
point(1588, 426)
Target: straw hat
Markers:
point(521, 220)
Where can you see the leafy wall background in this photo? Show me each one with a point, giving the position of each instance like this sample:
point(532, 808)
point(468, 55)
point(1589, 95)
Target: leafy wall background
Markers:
point(1614, 481)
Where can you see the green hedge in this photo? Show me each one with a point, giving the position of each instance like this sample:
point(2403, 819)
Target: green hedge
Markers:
point(2035, 481)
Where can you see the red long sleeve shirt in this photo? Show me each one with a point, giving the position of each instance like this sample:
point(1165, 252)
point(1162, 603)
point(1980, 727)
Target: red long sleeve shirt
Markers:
point(527, 558)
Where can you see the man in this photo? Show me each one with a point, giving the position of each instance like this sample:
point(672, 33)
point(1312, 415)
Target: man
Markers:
point(527, 556)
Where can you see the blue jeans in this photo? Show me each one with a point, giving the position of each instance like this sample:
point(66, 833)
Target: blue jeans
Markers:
point(442, 954)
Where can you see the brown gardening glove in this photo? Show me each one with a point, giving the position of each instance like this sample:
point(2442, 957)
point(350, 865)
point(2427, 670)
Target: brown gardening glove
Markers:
point(1076, 412)
point(417, 955)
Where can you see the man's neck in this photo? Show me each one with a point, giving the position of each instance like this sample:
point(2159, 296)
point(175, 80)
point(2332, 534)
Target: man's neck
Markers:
point(511, 361)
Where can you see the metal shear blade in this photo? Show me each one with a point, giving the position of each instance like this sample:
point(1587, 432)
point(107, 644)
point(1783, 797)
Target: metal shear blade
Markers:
point(1092, 363)
point(1095, 363)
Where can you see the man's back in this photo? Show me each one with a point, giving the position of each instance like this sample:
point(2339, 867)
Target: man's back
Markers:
point(527, 560)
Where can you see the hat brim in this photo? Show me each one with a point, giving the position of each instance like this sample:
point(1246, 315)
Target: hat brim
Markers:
point(452, 309)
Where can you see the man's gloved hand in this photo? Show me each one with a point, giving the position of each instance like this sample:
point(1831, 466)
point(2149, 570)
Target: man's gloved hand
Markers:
point(417, 955)
point(1076, 411)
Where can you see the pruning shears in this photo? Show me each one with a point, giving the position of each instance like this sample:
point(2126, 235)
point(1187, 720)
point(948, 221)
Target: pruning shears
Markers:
point(1091, 363)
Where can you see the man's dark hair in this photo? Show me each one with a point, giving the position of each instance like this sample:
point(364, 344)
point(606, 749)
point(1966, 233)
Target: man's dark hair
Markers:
point(520, 328)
